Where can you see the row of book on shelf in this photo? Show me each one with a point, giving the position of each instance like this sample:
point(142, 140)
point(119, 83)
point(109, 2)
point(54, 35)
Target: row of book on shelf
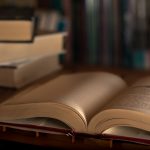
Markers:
point(109, 32)
point(25, 55)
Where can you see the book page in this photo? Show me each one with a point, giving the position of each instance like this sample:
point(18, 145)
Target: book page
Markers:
point(137, 97)
point(130, 108)
point(72, 98)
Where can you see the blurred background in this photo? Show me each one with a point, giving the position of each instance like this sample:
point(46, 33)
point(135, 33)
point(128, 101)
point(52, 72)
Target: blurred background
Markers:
point(109, 33)
point(106, 33)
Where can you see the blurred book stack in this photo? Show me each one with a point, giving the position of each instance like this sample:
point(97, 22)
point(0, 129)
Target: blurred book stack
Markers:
point(24, 55)
point(49, 13)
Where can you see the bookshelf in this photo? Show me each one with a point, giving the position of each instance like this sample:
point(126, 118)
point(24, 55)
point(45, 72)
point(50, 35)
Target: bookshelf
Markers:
point(109, 33)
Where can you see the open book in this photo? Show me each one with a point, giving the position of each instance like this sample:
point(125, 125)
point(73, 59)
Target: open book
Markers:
point(89, 103)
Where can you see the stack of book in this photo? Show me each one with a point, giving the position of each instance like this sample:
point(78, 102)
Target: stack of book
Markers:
point(26, 57)
point(49, 12)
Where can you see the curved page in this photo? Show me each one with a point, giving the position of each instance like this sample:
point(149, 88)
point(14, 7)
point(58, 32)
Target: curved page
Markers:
point(72, 98)
point(130, 108)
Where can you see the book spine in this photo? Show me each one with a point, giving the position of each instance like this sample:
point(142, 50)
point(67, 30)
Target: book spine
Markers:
point(141, 24)
point(76, 30)
point(104, 30)
point(128, 19)
point(69, 48)
point(92, 7)
point(107, 33)
point(82, 34)
point(111, 31)
point(148, 22)
point(117, 33)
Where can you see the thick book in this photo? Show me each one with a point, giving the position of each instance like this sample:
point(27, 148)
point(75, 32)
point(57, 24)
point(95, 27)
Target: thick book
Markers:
point(88, 104)
point(44, 44)
point(17, 24)
point(21, 64)
point(19, 73)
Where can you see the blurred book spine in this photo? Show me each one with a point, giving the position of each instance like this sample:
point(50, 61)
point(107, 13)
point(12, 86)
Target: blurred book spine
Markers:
point(108, 32)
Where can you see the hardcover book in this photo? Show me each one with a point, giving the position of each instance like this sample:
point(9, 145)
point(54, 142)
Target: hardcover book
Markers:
point(44, 44)
point(19, 73)
point(23, 63)
point(17, 24)
point(90, 104)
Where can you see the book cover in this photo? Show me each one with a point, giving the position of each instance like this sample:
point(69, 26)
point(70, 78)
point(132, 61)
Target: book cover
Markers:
point(19, 73)
point(17, 24)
